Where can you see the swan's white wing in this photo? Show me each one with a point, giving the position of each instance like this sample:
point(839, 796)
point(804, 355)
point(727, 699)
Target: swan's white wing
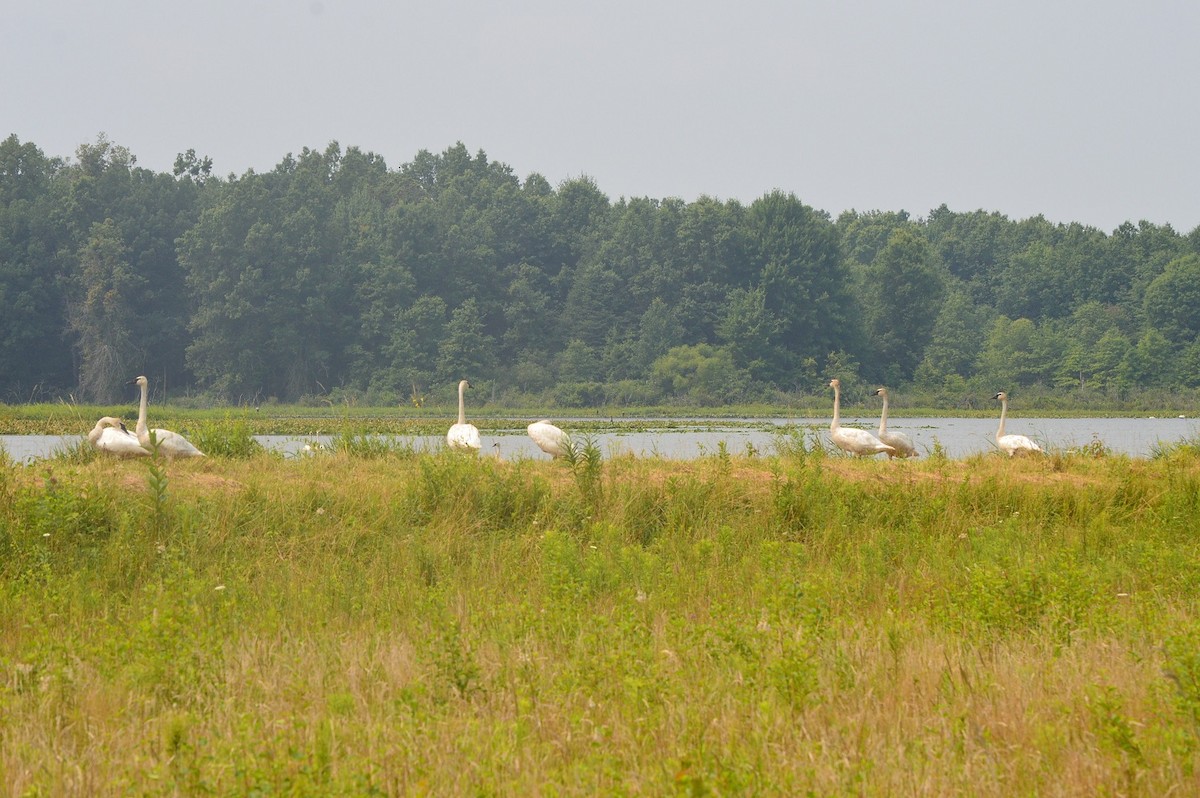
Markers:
point(119, 442)
point(549, 438)
point(464, 436)
point(1012, 444)
point(172, 444)
point(858, 441)
point(900, 442)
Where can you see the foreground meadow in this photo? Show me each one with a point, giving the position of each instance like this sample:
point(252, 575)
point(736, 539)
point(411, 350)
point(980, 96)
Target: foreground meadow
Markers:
point(376, 621)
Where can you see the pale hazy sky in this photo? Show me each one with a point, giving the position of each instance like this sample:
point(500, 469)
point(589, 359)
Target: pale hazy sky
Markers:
point(1081, 111)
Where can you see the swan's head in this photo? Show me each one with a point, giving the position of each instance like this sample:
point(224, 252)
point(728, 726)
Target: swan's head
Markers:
point(835, 383)
point(463, 384)
point(140, 381)
point(1002, 396)
point(879, 392)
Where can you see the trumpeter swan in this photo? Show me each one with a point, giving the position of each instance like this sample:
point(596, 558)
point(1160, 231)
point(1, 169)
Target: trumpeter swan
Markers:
point(549, 438)
point(463, 435)
point(897, 440)
point(1012, 444)
point(109, 435)
point(849, 439)
point(171, 444)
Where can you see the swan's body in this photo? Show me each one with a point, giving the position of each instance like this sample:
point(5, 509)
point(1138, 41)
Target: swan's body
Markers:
point(1012, 444)
point(549, 438)
point(463, 435)
point(849, 439)
point(897, 440)
point(109, 435)
point(169, 443)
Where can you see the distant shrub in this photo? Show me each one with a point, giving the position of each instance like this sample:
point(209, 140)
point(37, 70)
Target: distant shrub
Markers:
point(580, 394)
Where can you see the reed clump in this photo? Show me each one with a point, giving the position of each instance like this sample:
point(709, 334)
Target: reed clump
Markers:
point(387, 621)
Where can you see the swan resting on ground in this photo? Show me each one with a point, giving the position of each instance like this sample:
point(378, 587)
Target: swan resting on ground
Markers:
point(110, 435)
point(463, 435)
point(849, 439)
point(897, 440)
point(549, 438)
point(170, 444)
point(1012, 444)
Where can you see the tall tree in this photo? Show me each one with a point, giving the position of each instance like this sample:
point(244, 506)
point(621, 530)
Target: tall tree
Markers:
point(904, 290)
point(101, 314)
point(1172, 301)
point(35, 249)
point(954, 341)
point(805, 285)
point(466, 352)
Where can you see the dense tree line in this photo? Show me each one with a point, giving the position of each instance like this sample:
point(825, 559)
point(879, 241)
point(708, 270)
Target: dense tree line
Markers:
point(334, 275)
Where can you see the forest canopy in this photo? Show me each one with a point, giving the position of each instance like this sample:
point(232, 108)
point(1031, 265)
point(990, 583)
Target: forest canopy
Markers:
point(335, 275)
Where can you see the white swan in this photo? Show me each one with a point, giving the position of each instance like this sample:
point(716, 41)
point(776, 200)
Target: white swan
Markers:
point(463, 435)
point(549, 438)
point(171, 444)
point(897, 440)
point(854, 441)
point(1012, 444)
point(109, 435)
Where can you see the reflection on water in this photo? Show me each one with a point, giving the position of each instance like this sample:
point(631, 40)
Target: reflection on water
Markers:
point(959, 437)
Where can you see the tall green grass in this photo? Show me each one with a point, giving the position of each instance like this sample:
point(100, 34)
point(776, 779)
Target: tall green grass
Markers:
point(403, 623)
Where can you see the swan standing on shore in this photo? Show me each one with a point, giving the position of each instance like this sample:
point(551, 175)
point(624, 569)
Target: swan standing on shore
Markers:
point(897, 440)
point(463, 435)
point(171, 444)
point(849, 439)
point(1012, 444)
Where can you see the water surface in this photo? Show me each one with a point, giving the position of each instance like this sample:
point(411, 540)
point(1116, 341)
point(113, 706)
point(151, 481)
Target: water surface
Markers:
point(959, 437)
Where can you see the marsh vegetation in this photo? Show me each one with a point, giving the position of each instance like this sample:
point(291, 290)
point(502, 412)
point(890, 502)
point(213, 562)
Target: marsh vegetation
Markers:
point(379, 620)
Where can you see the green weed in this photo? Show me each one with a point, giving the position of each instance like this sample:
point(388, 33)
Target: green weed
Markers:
point(229, 437)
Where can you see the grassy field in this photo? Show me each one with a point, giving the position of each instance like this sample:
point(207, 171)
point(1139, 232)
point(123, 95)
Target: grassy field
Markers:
point(374, 621)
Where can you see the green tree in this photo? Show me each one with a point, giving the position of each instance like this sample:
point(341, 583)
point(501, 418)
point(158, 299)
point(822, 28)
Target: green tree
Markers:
point(1149, 363)
point(101, 314)
point(659, 330)
point(1086, 361)
point(529, 314)
point(954, 341)
point(466, 352)
point(578, 363)
point(33, 236)
point(1107, 361)
point(590, 306)
point(796, 251)
point(904, 292)
point(412, 354)
point(748, 328)
point(1172, 302)
point(1009, 356)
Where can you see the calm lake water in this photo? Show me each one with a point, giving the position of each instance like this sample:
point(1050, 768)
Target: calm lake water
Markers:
point(960, 437)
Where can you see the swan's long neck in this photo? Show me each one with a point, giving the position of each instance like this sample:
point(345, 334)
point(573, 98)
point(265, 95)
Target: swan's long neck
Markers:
point(883, 416)
point(1003, 413)
point(97, 431)
point(141, 422)
point(462, 407)
point(837, 401)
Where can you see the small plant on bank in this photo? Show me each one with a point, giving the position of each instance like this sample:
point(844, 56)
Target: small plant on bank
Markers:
point(158, 482)
point(587, 463)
